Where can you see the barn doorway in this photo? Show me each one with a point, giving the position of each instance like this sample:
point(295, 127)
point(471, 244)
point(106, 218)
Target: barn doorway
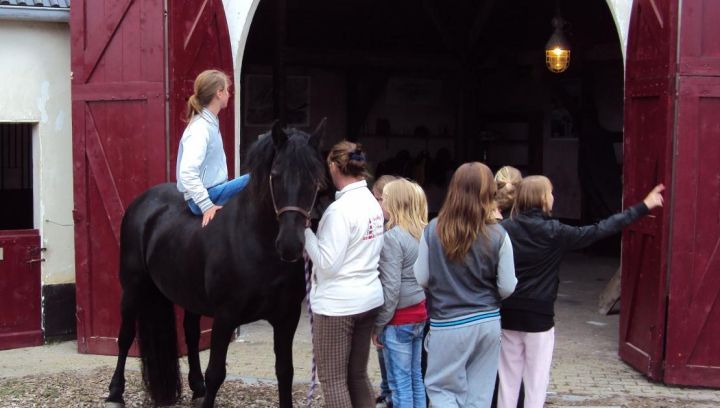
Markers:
point(425, 86)
point(20, 254)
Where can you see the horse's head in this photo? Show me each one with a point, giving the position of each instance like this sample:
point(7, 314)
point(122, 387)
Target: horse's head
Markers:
point(291, 179)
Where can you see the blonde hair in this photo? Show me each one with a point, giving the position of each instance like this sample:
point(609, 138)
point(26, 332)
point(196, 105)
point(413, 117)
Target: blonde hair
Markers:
point(507, 180)
point(350, 159)
point(533, 192)
point(381, 182)
point(406, 205)
point(206, 86)
point(467, 209)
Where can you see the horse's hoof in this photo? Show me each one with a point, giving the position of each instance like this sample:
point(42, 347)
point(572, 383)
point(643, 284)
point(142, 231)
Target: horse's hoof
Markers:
point(109, 404)
point(198, 402)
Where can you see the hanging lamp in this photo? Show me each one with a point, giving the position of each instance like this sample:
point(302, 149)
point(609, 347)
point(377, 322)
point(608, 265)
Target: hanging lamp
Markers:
point(557, 49)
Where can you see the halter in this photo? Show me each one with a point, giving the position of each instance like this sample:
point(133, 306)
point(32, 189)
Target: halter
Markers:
point(302, 211)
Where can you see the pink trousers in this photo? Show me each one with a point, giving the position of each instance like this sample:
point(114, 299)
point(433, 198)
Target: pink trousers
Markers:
point(525, 357)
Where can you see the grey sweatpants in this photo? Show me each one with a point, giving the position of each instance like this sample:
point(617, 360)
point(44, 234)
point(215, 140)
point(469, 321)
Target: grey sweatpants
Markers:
point(462, 364)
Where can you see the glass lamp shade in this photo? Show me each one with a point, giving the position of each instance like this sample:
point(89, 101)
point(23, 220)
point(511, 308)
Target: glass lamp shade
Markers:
point(557, 49)
point(557, 59)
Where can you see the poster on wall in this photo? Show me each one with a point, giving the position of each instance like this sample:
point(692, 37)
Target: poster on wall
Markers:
point(259, 100)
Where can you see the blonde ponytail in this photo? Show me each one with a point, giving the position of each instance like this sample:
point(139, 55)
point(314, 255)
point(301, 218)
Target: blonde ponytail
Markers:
point(193, 107)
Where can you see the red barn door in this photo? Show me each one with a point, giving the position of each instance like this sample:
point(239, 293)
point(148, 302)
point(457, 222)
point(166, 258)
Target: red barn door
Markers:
point(20, 313)
point(118, 145)
point(199, 40)
point(693, 326)
point(122, 116)
point(649, 120)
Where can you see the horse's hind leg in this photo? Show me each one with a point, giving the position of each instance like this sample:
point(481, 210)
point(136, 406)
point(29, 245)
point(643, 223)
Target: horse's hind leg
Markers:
point(191, 324)
point(222, 332)
point(128, 310)
point(283, 333)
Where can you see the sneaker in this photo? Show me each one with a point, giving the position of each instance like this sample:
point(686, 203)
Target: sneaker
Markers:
point(382, 402)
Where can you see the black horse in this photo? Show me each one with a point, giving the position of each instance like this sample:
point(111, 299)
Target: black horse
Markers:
point(240, 268)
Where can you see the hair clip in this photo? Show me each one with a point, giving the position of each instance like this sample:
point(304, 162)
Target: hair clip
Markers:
point(357, 156)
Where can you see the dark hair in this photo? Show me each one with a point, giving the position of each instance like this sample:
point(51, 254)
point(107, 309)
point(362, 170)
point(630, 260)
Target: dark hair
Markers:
point(349, 158)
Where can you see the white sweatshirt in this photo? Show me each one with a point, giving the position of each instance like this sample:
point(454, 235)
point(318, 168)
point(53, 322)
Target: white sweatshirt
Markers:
point(346, 253)
point(201, 161)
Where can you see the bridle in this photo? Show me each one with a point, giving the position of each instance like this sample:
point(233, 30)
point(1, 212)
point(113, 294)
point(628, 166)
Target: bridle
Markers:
point(287, 208)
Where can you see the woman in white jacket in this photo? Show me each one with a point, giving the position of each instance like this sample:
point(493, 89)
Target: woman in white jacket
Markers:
point(202, 173)
point(346, 289)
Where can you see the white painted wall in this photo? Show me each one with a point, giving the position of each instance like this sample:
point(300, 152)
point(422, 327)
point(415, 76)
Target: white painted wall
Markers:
point(239, 14)
point(620, 10)
point(35, 87)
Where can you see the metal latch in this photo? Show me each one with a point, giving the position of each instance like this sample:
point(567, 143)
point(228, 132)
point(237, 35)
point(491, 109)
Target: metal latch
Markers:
point(35, 251)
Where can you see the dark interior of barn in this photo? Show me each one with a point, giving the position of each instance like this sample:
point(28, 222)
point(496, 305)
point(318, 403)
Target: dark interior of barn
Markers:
point(16, 176)
point(426, 85)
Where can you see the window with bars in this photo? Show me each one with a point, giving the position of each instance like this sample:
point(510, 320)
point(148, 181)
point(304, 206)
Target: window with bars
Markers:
point(16, 176)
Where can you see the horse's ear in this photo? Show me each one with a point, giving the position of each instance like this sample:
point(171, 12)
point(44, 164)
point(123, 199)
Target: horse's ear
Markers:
point(278, 134)
point(318, 134)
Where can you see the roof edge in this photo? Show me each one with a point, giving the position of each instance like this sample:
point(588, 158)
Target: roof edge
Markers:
point(37, 14)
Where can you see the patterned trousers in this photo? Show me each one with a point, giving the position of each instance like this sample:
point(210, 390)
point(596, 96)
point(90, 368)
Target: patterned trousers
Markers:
point(342, 347)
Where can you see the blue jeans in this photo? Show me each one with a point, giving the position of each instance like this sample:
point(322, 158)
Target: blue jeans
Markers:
point(384, 387)
point(221, 193)
point(402, 350)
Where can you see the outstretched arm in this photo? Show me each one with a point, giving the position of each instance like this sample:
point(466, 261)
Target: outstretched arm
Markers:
point(581, 237)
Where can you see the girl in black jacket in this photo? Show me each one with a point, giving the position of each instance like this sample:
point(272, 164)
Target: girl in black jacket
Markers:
point(539, 244)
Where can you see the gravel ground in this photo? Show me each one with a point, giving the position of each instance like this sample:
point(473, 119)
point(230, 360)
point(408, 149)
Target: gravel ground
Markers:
point(89, 389)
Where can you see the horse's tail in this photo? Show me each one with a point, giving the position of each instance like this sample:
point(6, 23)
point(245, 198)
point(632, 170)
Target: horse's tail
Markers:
point(158, 346)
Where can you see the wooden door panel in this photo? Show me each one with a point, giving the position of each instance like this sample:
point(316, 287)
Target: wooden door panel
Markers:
point(199, 40)
point(699, 45)
point(649, 111)
point(20, 313)
point(693, 355)
point(119, 145)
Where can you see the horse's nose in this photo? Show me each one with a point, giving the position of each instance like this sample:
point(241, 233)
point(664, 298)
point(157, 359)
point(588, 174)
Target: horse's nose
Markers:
point(289, 251)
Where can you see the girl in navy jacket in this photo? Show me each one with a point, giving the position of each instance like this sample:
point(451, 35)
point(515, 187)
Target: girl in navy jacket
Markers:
point(539, 244)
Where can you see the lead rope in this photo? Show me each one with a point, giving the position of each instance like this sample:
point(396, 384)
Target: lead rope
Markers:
point(308, 286)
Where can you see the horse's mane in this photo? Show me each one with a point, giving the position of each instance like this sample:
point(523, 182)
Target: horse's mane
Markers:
point(304, 158)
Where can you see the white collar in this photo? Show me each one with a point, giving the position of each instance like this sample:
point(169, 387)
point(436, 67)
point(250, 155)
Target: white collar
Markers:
point(210, 117)
point(350, 187)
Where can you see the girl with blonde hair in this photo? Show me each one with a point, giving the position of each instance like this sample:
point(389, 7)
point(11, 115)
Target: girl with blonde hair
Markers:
point(384, 399)
point(540, 243)
point(401, 320)
point(201, 171)
point(507, 179)
point(465, 259)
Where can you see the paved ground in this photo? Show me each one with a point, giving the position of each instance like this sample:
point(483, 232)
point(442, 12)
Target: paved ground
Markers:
point(586, 369)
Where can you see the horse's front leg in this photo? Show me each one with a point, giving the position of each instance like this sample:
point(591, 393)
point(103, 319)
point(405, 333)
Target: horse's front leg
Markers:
point(191, 325)
point(222, 332)
point(126, 336)
point(283, 333)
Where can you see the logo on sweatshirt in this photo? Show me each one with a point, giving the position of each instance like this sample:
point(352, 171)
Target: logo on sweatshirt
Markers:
point(374, 228)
